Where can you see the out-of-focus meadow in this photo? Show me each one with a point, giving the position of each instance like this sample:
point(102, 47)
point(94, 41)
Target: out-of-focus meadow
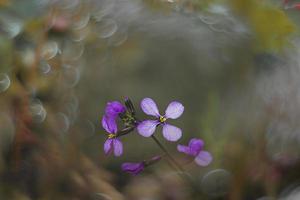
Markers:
point(234, 64)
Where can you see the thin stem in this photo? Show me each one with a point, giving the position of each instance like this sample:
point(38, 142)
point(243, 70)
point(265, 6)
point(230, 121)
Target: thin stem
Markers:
point(171, 159)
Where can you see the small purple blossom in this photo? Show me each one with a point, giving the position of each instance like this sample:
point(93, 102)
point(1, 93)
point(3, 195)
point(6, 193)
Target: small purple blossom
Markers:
point(136, 168)
point(133, 168)
point(195, 149)
point(112, 111)
point(114, 108)
point(112, 143)
point(174, 110)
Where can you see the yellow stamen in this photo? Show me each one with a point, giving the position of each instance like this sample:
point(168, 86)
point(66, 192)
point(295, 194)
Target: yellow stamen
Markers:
point(162, 119)
point(111, 136)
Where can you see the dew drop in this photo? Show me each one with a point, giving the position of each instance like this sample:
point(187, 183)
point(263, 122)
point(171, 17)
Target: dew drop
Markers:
point(106, 28)
point(4, 82)
point(49, 50)
point(72, 50)
point(118, 38)
point(44, 67)
point(105, 9)
point(71, 76)
point(82, 21)
point(37, 110)
point(216, 183)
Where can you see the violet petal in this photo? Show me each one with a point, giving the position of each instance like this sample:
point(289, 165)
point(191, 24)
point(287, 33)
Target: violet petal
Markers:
point(203, 158)
point(146, 128)
point(118, 147)
point(149, 107)
point(114, 108)
point(133, 168)
point(184, 149)
point(109, 124)
point(171, 133)
point(108, 146)
point(196, 145)
point(174, 110)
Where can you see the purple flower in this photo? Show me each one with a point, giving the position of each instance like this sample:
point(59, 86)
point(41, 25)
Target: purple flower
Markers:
point(136, 168)
point(114, 108)
point(174, 110)
point(194, 148)
point(112, 143)
point(133, 168)
point(112, 111)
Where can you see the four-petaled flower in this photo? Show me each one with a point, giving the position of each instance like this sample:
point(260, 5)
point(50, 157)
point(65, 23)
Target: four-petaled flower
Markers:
point(194, 148)
point(147, 127)
point(112, 110)
point(133, 168)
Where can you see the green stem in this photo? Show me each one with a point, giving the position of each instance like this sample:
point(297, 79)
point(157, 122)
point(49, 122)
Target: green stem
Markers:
point(173, 162)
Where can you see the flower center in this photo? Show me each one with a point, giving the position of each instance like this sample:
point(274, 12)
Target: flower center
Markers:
point(162, 119)
point(111, 136)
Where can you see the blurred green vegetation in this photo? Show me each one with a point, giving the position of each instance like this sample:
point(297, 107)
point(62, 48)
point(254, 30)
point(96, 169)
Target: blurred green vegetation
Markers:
point(232, 63)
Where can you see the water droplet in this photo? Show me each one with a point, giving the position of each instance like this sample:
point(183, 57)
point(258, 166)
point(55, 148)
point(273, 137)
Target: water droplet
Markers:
point(71, 76)
point(37, 110)
point(118, 38)
point(81, 34)
point(44, 67)
point(207, 19)
point(216, 183)
point(82, 21)
point(4, 82)
point(72, 50)
point(49, 50)
point(103, 10)
point(106, 28)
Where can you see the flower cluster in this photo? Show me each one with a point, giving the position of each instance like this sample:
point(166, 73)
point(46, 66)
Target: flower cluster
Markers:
point(117, 113)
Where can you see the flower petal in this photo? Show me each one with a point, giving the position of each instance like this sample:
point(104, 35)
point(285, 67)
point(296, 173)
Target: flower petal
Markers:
point(109, 124)
point(203, 158)
point(174, 110)
point(146, 128)
point(184, 149)
point(114, 108)
point(107, 146)
point(118, 147)
point(196, 145)
point(171, 133)
point(133, 168)
point(149, 107)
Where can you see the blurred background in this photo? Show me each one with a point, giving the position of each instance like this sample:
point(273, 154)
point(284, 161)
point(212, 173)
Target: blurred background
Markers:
point(234, 64)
